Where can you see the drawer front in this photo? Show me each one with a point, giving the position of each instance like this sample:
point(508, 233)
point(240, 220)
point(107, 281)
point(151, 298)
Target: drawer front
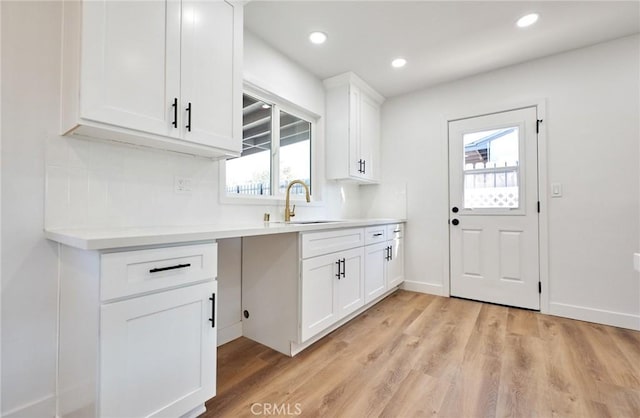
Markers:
point(395, 231)
point(318, 243)
point(375, 234)
point(129, 273)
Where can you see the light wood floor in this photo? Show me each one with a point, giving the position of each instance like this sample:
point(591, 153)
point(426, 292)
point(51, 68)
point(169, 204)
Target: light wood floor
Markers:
point(421, 355)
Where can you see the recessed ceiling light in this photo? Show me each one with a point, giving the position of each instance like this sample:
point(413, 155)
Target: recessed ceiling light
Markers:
point(317, 37)
point(398, 63)
point(266, 106)
point(527, 20)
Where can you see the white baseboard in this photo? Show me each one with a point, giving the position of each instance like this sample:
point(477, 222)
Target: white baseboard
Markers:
point(44, 407)
point(599, 316)
point(421, 287)
point(229, 333)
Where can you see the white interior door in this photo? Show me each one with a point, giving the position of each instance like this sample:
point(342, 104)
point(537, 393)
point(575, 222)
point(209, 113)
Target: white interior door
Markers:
point(493, 181)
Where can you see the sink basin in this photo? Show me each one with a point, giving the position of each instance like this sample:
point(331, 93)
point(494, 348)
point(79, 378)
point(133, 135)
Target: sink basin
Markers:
point(305, 222)
point(310, 222)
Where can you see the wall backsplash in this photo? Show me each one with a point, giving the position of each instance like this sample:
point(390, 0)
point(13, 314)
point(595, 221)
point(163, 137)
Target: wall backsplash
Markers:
point(93, 184)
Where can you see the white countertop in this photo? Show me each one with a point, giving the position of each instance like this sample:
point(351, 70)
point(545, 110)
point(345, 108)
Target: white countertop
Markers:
point(108, 238)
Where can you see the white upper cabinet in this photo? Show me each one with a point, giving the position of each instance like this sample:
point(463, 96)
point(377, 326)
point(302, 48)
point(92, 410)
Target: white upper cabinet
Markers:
point(352, 129)
point(164, 74)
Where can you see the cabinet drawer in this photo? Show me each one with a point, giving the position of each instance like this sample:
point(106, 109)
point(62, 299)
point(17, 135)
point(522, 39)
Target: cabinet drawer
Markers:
point(318, 243)
point(395, 231)
point(375, 234)
point(131, 272)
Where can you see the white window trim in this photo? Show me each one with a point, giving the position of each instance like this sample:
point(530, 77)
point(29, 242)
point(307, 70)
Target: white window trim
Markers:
point(279, 103)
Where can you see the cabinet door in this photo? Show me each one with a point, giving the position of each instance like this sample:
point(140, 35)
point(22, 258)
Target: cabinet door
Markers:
point(211, 73)
point(375, 281)
point(318, 294)
point(369, 136)
point(351, 281)
point(355, 166)
point(130, 74)
point(395, 266)
point(158, 353)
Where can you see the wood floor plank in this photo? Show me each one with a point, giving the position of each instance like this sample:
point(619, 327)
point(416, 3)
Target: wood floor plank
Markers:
point(416, 355)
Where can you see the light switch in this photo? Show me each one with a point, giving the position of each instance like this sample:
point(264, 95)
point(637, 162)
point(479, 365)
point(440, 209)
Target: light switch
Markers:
point(556, 190)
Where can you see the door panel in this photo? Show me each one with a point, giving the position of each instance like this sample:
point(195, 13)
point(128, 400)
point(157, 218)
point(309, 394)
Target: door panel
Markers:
point(351, 286)
point(395, 266)
point(158, 353)
point(493, 193)
point(375, 280)
point(354, 132)
point(131, 64)
point(319, 289)
point(208, 36)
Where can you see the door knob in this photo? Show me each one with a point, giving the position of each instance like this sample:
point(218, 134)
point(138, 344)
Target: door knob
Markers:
point(455, 222)
point(454, 209)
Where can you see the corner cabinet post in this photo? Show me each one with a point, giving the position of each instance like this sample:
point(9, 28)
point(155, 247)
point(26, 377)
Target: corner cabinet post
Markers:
point(352, 129)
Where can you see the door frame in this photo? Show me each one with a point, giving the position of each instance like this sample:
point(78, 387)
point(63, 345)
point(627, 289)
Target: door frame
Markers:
point(543, 216)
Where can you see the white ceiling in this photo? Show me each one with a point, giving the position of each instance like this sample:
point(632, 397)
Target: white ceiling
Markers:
point(442, 40)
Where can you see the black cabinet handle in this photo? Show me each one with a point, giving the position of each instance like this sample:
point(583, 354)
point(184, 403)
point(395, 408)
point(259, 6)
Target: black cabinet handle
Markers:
point(396, 231)
point(391, 253)
point(177, 266)
point(360, 166)
point(338, 274)
point(455, 222)
point(188, 126)
point(175, 112)
point(454, 209)
point(386, 253)
point(344, 267)
point(213, 310)
point(364, 166)
point(379, 234)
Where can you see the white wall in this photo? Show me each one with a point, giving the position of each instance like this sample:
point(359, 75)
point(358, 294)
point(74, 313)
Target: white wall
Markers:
point(93, 184)
point(593, 130)
point(30, 98)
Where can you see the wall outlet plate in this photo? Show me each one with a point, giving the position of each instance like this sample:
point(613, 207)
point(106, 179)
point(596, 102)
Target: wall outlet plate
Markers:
point(556, 190)
point(182, 185)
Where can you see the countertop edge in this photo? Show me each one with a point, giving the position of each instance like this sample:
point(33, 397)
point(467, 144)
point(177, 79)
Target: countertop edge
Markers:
point(90, 240)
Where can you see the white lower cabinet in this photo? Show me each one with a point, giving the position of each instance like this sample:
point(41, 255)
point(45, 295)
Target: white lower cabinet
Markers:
point(137, 331)
point(331, 288)
point(384, 261)
point(375, 270)
point(395, 264)
point(157, 353)
point(298, 287)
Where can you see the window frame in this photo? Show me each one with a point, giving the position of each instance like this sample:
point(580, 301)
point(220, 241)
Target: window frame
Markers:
point(278, 104)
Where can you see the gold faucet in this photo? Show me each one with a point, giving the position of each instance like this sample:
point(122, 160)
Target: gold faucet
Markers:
point(288, 213)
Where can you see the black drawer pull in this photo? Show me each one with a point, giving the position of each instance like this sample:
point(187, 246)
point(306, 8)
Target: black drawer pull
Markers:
point(379, 234)
point(177, 266)
point(396, 231)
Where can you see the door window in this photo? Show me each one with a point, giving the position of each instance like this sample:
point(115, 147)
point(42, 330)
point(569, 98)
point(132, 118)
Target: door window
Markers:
point(492, 169)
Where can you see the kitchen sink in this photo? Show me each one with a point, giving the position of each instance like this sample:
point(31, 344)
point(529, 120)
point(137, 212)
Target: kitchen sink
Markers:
point(305, 222)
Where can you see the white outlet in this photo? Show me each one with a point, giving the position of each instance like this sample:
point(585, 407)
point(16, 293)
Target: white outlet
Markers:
point(182, 184)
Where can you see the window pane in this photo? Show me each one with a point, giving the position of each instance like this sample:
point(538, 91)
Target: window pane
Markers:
point(295, 152)
point(250, 174)
point(491, 169)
